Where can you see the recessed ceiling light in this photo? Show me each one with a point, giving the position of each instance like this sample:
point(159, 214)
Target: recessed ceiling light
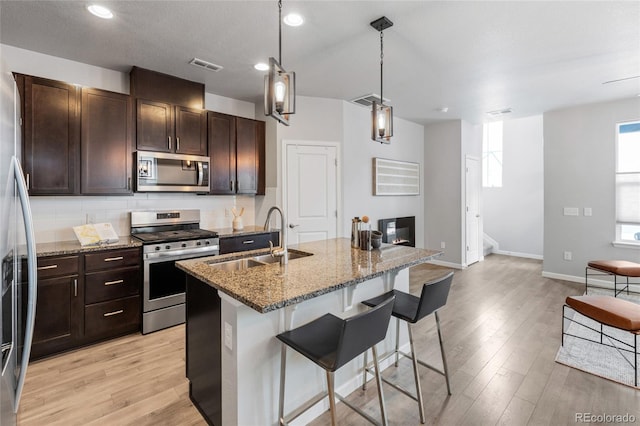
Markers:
point(293, 20)
point(261, 66)
point(442, 109)
point(100, 11)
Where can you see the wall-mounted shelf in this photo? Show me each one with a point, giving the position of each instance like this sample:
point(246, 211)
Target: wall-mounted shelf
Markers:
point(391, 177)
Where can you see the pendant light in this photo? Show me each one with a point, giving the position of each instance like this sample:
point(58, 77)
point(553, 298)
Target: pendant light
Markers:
point(381, 114)
point(279, 85)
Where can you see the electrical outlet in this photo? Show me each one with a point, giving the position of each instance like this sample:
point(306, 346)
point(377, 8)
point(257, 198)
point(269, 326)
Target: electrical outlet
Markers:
point(226, 212)
point(568, 255)
point(588, 211)
point(91, 218)
point(442, 244)
point(228, 335)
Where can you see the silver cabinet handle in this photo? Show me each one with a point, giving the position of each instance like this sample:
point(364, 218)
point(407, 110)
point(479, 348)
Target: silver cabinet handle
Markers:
point(113, 259)
point(75, 287)
point(108, 314)
point(114, 282)
point(291, 225)
point(248, 242)
point(42, 268)
point(28, 183)
point(169, 143)
point(177, 143)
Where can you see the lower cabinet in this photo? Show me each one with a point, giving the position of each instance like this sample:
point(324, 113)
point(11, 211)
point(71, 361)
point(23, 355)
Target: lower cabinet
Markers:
point(248, 242)
point(86, 298)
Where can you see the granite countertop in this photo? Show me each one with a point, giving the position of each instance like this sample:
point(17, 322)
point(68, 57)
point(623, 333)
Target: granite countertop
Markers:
point(248, 230)
point(333, 265)
point(73, 247)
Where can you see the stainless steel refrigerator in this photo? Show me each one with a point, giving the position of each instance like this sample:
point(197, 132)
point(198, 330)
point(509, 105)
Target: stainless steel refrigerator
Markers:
point(17, 254)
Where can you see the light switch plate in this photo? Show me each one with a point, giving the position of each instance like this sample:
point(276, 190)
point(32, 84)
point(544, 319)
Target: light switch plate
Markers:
point(571, 211)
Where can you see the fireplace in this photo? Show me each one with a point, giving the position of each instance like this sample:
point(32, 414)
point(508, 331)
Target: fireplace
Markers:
point(398, 230)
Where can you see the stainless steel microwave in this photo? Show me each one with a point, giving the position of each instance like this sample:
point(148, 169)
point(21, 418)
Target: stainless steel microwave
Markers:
point(163, 172)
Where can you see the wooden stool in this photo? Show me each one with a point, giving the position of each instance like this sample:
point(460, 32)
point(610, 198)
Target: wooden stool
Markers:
point(616, 268)
point(610, 311)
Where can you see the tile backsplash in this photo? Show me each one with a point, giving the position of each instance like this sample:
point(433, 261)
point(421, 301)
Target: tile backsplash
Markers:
point(54, 217)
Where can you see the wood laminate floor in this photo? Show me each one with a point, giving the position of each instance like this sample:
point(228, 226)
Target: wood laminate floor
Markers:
point(501, 327)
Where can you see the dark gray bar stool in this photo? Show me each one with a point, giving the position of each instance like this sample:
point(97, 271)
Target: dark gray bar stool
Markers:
point(331, 342)
point(412, 309)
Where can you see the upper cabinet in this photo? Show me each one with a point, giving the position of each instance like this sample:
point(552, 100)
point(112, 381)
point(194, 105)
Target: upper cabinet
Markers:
point(51, 135)
point(237, 150)
point(167, 128)
point(169, 113)
point(106, 142)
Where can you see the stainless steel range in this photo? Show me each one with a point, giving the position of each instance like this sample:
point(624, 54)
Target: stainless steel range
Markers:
point(168, 236)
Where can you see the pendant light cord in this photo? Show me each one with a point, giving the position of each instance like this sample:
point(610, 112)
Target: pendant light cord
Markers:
point(381, 62)
point(280, 32)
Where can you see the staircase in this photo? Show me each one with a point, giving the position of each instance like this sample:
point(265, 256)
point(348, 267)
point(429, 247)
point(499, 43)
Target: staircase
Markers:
point(489, 245)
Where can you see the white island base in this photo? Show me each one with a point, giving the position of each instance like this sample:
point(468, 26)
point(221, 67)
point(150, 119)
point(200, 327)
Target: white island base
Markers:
point(251, 353)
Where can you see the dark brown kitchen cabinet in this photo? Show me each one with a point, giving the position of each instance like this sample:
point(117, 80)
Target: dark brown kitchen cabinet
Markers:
point(59, 305)
point(237, 151)
point(106, 142)
point(86, 298)
point(165, 127)
point(240, 243)
point(222, 151)
point(51, 135)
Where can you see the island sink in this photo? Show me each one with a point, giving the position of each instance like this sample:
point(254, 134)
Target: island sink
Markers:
point(249, 262)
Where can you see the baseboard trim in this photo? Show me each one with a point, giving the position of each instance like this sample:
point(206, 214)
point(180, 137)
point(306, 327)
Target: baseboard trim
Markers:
point(576, 279)
point(518, 254)
point(447, 264)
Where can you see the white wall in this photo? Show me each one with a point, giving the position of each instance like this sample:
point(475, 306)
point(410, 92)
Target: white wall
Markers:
point(54, 216)
point(358, 150)
point(514, 213)
point(579, 171)
point(443, 200)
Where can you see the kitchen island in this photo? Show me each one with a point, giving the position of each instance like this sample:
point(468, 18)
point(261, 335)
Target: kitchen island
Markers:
point(233, 358)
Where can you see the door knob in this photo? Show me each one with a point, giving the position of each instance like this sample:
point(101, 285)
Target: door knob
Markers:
point(291, 225)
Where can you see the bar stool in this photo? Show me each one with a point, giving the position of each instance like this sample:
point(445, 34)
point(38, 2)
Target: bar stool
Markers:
point(331, 342)
point(412, 309)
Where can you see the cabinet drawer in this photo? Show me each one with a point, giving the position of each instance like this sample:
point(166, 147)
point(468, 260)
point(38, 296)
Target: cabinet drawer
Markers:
point(110, 318)
point(49, 267)
point(111, 259)
point(108, 285)
point(247, 242)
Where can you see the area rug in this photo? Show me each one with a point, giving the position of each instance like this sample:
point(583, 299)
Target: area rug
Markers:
point(593, 358)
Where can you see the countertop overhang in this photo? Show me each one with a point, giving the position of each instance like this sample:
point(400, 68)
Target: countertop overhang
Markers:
point(333, 265)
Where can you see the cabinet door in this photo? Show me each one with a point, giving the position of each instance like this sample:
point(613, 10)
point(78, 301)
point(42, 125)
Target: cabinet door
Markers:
point(154, 126)
point(51, 136)
point(222, 151)
point(191, 131)
point(247, 155)
point(106, 142)
point(59, 310)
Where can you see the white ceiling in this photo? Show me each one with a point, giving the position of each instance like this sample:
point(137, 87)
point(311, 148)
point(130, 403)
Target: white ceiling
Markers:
point(472, 57)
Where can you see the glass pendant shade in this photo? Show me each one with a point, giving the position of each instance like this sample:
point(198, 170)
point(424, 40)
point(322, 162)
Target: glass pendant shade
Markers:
point(279, 92)
point(381, 123)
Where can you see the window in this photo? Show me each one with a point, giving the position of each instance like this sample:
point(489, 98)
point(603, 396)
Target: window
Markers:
point(628, 182)
point(492, 154)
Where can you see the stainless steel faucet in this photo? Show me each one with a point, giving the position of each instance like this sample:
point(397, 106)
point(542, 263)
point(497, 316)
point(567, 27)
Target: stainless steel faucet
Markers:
point(281, 251)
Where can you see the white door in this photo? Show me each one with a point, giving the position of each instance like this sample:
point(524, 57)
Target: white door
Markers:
point(311, 192)
point(472, 210)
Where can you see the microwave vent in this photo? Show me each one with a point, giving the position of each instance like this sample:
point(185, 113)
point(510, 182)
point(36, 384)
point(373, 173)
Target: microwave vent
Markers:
point(204, 64)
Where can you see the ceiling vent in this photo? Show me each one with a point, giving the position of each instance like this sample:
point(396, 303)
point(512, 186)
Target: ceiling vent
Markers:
point(367, 100)
point(499, 112)
point(204, 64)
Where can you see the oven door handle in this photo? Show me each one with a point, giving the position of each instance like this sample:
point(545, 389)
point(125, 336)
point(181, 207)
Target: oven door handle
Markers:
point(184, 254)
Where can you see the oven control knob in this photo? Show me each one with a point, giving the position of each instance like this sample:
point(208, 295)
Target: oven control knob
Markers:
point(184, 244)
point(208, 242)
point(198, 243)
point(157, 248)
point(167, 247)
